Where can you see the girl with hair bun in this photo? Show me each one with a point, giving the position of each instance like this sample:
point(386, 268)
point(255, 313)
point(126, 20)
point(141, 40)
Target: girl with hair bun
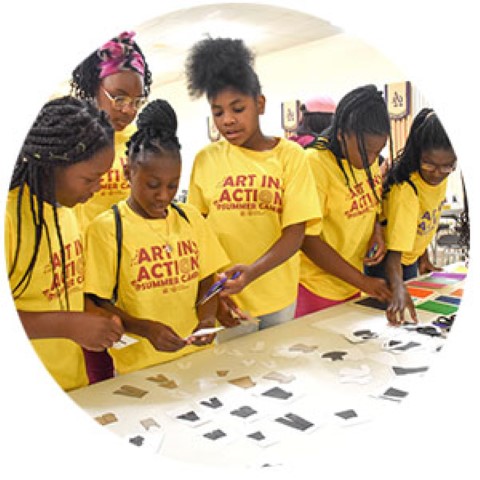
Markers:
point(65, 153)
point(255, 190)
point(167, 255)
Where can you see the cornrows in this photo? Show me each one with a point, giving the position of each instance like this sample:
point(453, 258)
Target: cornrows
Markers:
point(361, 112)
point(157, 131)
point(66, 131)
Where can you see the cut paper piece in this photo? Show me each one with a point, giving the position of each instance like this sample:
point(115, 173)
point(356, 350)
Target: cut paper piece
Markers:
point(301, 347)
point(295, 421)
point(106, 419)
point(244, 411)
point(278, 393)
point(212, 402)
point(222, 373)
point(205, 331)
point(248, 362)
point(457, 293)
point(219, 435)
point(258, 347)
point(393, 394)
point(243, 382)
point(453, 275)
point(184, 365)
point(419, 292)
point(447, 299)
point(279, 377)
point(125, 341)
point(404, 346)
point(372, 303)
point(189, 416)
point(435, 307)
point(334, 356)
point(148, 441)
point(130, 391)
point(262, 438)
point(358, 336)
point(429, 330)
point(408, 371)
point(422, 284)
point(356, 375)
point(163, 381)
point(149, 423)
point(441, 280)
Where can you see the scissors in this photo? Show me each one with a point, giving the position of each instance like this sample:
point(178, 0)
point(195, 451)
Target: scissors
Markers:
point(217, 287)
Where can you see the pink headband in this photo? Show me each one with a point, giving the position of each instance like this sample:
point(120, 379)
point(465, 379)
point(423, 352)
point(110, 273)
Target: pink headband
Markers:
point(119, 54)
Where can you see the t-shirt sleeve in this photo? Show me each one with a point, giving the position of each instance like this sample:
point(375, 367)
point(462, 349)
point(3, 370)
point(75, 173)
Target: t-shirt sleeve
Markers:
point(401, 214)
point(195, 195)
point(300, 199)
point(211, 253)
point(101, 257)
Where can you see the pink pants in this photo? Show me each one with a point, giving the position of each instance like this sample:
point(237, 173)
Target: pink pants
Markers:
point(99, 365)
point(308, 302)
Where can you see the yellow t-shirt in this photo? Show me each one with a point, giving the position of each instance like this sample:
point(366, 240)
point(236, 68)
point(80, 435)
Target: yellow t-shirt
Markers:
point(412, 218)
point(113, 185)
point(349, 215)
point(45, 293)
point(154, 284)
point(248, 197)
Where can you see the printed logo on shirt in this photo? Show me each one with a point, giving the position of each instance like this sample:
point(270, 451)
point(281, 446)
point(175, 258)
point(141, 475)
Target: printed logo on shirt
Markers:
point(114, 182)
point(159, 266)
point(361, 199)
point(429, 220)
point(74, 271)
point(251, 194)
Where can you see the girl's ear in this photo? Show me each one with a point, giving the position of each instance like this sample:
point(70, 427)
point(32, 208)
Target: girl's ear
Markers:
point(127, 171)
point(261, 104)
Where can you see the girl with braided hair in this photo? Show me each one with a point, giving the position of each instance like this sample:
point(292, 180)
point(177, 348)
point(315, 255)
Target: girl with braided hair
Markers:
point(256, 191)
point(349, 185)
point(117, 79)
point(65, 153)
point(169, 255)
point(414, 192)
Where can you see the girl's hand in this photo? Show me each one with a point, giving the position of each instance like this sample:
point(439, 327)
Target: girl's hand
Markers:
point(376, 247)
point(203, 339)
point(228, 313)
point(401, 301)
point(377, 288)
point(162, 337)
point(425, 266)
point(95, 332)
point(243, 276)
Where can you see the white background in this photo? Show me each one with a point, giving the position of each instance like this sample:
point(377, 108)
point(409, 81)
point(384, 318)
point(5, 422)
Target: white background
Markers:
point(436, 431)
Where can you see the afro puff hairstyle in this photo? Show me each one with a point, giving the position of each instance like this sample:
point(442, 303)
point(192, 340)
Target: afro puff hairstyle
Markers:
point(214, 64)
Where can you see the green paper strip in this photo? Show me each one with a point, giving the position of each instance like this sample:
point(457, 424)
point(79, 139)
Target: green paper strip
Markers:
point(436, 307)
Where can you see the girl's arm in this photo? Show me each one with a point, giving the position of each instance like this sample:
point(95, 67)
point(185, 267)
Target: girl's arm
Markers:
point(288, 243)
point(162, 337)
point(91, 330)
point(325, 257)
point(206, 312)
point(401, 299)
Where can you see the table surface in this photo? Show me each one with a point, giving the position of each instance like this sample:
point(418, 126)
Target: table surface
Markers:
point(317, 388)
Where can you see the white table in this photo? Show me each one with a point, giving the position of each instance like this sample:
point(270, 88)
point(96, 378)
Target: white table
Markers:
point(205, 375)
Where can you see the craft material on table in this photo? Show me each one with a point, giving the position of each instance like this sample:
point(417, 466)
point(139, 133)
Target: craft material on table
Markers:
point(437, 307)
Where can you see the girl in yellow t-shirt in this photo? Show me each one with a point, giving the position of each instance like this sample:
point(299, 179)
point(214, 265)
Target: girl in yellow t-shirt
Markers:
point(348, 178)
point(415, 190)
point(117, 79)
point(256, 191)
point(169, 255)
point(65, 153)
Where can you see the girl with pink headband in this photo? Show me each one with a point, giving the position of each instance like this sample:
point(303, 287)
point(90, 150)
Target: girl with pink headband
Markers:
point(117, 79)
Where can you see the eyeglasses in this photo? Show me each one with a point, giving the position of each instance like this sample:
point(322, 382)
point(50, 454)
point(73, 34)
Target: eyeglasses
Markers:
point(430, 167)
point(120, 102)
